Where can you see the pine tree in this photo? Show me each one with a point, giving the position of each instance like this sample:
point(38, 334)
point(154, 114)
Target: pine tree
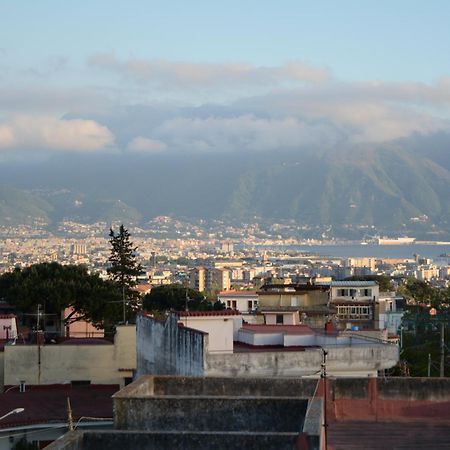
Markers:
point(124, 268)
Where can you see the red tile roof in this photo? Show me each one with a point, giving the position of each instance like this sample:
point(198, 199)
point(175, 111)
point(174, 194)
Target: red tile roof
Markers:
point(7, 316)
point(288, 329)
point(237, 293)
point(224, 312)
point(48, 403)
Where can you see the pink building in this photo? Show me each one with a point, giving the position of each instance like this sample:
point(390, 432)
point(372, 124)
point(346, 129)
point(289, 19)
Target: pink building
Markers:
point(81, 328)
point(8, 326)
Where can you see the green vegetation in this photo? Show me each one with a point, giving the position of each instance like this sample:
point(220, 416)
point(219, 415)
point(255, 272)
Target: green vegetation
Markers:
point(56, 287)
point(421, 331)
point(176, 297)
point(383, 281)
point(358, 186)
point(124, 270)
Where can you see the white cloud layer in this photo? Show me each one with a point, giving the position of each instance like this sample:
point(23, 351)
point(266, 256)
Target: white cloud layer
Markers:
point(175, 75)
point(145, 145)
point(52, 133)
point(230, 107)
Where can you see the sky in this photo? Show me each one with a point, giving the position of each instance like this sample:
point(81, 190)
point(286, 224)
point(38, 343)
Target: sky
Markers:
point(171, 76)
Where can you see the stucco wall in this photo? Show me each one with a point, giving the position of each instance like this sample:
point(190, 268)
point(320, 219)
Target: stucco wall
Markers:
point(164, 348)
point(2, 373)
point(219, 329)
point(348, 361)
point(52, 364)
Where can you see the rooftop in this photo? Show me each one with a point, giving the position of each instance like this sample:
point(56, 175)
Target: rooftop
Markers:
point(237, 293)
point(353, 283)
point(224, 312)
point(48, 403)
point(287, 329)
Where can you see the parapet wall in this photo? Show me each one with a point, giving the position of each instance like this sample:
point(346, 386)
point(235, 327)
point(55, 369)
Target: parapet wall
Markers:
point(389, 399)
point(164, 348)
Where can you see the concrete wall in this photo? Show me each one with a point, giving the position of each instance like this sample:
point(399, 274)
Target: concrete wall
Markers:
point(132, 440)
point(352, 361)
point(220, 331)
point(54, 364)
point(164, 348)
point(2, 371)
point(390, 399)
point(223, 407)
point(210, 413)
point(148, 385)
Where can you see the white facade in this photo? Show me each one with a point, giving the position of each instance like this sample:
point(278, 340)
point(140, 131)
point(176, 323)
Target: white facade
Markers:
point(222, 329)
point(243, 301)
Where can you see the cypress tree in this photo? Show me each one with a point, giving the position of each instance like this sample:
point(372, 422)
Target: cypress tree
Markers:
point(124, 268)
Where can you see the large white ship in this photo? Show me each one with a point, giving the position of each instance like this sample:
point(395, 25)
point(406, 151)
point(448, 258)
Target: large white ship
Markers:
point(396, 241)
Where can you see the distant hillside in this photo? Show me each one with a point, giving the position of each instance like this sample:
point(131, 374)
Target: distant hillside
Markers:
point(19, 207)
point(383, 187)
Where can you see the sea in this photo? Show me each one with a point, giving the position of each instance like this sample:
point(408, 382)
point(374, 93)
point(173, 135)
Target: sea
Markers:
point(408, 251)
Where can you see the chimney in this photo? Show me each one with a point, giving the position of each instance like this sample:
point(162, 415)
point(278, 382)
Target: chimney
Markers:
point(329, 328)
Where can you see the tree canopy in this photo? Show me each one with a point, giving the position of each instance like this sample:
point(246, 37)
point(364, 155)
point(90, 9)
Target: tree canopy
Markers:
point(384, 282)
point(176, 297)
point(57, 287)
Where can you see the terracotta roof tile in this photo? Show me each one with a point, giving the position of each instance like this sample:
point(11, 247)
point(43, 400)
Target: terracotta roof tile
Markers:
point(224, 312)
point(48, 403)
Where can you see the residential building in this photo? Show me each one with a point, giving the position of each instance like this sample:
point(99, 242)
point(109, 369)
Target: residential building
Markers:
point(309, 301)
point(244, 301)
point(354, 302)
point(91, 361)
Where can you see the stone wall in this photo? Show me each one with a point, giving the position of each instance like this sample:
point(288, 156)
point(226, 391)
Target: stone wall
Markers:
point(164, 348)
point(126, 440)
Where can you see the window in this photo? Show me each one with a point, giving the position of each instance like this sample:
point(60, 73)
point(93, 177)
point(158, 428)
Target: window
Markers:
point(249, 304)
point(280, 319)
point(234, 304)
point(294, 301)
point(355, 312)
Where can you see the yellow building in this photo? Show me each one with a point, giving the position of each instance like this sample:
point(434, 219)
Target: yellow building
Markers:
point(94, 361)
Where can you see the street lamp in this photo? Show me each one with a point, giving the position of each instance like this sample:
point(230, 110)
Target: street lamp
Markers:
point(14, 411)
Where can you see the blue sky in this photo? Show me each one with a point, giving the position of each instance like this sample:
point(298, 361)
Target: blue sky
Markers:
point(365, 70)
point(389, 40)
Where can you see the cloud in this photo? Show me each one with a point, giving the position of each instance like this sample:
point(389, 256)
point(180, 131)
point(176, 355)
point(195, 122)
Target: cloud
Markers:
point(243, 133)
point(52, 133)
point(145, 145)
point(177, 75)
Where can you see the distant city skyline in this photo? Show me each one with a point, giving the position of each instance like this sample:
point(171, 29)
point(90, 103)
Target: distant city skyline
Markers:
point(152, 77)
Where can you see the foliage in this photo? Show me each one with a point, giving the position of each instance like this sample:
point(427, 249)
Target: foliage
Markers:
point(124, 269)
point(176, 297)
point(424, 294)
point(420, 341)
point(383, 280)
point(57, 287)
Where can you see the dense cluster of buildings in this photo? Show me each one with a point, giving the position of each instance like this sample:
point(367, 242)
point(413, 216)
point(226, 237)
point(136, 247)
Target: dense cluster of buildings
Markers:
point(289, 317)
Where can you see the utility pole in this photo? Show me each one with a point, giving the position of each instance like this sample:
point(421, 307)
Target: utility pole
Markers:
point(441, 374)
point(429, 365)
point(323, 375)
point(69, 416)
